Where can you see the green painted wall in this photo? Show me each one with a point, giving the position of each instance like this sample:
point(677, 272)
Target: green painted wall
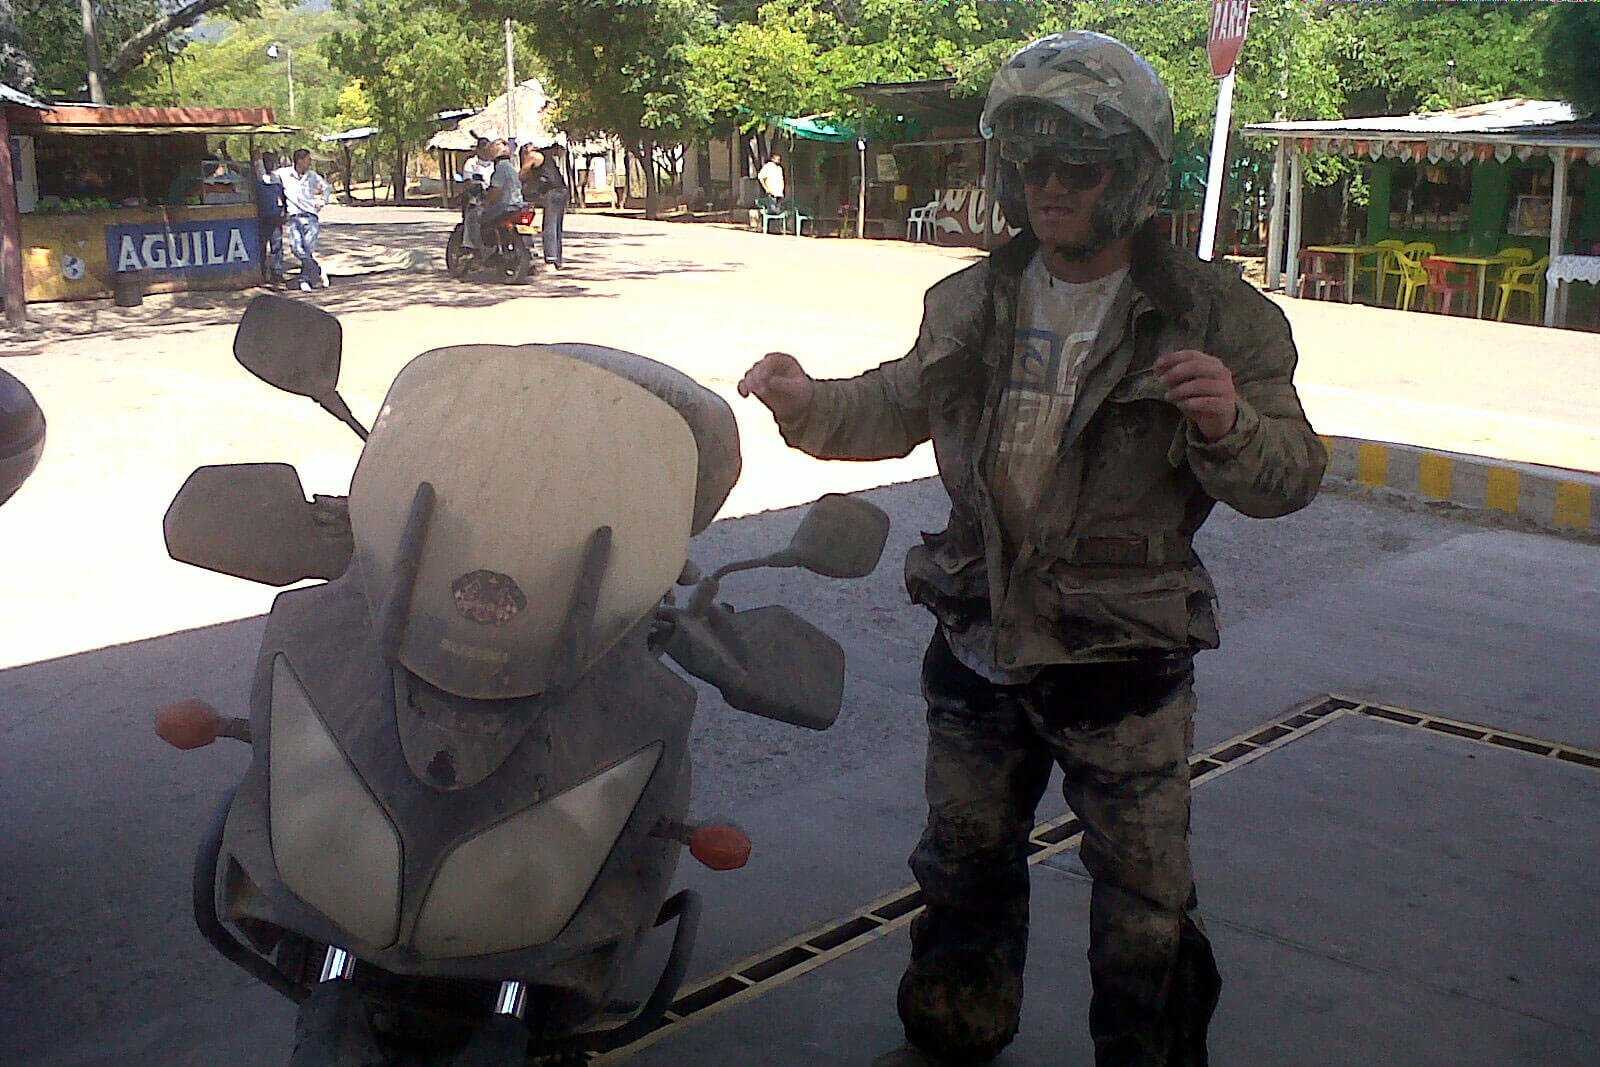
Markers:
point(1380, 182)
point(1491, 187)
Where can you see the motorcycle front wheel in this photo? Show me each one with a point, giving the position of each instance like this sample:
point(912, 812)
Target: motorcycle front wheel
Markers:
point(457, 257)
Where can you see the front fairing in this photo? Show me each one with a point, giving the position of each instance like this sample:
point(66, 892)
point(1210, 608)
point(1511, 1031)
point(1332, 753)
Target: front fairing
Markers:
point(380, 902)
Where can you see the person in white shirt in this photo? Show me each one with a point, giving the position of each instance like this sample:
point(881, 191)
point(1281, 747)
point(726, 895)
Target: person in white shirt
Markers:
point(305, 193)
point(480, 167)
point(771, 178)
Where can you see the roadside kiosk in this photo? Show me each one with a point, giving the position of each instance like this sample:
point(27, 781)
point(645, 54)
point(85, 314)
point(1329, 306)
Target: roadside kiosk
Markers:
point(134, 198)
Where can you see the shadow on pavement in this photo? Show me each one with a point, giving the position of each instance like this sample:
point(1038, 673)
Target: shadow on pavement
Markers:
point(595, 260)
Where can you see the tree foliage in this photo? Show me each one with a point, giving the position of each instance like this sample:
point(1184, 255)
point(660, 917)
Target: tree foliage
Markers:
point(619, 67)
point(135, 36)
point(413, 61)
point(234, 70)
point(1570, 46)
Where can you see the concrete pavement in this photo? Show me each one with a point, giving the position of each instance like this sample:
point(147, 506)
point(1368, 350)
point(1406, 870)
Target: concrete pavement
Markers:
point(137, 400)
point(100, 819)
point(1363, 882)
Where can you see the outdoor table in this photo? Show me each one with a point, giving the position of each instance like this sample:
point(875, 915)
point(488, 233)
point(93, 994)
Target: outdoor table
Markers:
point(1570, 269)
point(1351, 254)
point(1483, 263)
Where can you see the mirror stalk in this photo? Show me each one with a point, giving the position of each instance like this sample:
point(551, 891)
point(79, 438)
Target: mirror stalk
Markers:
point(334, 405)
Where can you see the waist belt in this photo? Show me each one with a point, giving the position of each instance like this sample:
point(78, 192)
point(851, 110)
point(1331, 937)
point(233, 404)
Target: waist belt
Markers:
point(1156, 549)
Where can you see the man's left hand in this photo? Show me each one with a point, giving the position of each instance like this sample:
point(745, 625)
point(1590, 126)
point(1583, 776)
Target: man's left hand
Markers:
point(1201, 386)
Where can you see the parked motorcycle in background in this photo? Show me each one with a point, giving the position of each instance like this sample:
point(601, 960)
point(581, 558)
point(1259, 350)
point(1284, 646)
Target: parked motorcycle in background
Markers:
point(470, 765)
point(505, 248)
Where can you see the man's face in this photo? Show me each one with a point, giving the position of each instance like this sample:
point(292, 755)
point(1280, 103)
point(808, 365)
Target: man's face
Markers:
point(486, 151)
point(302, 164)
point(1062, 198)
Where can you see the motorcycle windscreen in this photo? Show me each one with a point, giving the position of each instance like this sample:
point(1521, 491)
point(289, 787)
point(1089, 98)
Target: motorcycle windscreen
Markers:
point(529, 452)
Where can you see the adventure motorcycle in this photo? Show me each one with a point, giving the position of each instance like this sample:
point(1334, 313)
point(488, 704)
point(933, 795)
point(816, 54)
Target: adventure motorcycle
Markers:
point(470, 766)
point(505, 247)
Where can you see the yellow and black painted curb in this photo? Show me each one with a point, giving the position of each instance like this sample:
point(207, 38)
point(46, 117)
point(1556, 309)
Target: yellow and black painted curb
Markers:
point(1549, 501)
point(759, 974)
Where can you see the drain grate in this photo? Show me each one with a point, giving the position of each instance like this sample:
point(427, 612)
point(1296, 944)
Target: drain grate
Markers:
point(785, 962)
point(1478, 732)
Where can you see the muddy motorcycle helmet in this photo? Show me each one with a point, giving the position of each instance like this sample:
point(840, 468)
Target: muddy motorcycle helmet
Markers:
point(1084, 97)
point(21, 435)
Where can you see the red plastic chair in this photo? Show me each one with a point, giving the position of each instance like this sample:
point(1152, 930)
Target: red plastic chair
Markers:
point(1322, 270)
point(1445, 280)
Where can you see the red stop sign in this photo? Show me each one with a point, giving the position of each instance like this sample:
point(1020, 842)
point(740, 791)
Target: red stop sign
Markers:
point(1228, 21)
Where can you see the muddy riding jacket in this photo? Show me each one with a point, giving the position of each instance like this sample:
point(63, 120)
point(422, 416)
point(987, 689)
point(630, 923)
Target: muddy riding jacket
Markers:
point(1108, 571)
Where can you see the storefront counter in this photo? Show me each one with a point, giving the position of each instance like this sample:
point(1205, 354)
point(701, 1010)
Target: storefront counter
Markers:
point(171, 249)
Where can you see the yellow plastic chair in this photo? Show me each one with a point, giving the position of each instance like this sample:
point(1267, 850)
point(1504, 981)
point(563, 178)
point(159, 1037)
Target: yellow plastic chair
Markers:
point(1383, 266)
point(1528, 279)
point(1517, 257)
point(1412, 276)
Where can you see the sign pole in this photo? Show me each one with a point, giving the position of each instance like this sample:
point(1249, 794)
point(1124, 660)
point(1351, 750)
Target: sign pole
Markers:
point(1214, 179)
point(1229, 21)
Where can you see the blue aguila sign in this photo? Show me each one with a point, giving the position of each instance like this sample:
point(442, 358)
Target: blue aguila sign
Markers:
point(219, 246)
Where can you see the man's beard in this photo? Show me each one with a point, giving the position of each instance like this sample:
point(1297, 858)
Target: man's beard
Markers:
point(1100, 236)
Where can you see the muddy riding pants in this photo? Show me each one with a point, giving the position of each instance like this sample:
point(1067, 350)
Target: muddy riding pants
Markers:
point(1121, 735)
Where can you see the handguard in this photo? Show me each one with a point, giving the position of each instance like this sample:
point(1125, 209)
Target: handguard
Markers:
point(766, 661)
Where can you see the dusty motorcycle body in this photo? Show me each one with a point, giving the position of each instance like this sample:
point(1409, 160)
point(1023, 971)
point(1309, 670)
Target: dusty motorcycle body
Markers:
point(505, 248)
point(470, 765)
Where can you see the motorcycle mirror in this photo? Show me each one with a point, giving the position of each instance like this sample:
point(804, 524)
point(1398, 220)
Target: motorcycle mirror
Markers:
point(295, 346)
point(766, 661)
point(252, 520)
point(840, 537)
point(195, 724)
point(720, 847)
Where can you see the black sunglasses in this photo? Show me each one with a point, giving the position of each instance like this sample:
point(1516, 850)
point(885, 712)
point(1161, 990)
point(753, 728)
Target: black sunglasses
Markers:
point(1075, 177)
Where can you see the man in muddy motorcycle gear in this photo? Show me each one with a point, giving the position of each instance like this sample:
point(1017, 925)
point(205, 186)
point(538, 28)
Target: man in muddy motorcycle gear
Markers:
point(1091, 393)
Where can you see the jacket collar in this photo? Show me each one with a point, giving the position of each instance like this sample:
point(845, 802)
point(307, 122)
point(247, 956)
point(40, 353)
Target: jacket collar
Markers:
point(1163, 274)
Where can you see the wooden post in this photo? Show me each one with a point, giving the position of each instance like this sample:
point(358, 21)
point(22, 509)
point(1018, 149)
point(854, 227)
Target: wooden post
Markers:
point(1292, 267)
point(1275, 225)
point(10, 234)
point(1558, 232)
point(511, 86)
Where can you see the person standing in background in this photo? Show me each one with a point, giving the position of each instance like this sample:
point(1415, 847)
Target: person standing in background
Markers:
point(771, 178)
point(270, 215)
point(551, 193)
point(305, 194)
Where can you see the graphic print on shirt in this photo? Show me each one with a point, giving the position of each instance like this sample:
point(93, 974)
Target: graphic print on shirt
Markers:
point(1057, 325)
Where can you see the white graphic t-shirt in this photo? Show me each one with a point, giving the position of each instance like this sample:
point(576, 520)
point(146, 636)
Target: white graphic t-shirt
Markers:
point(1057, 323)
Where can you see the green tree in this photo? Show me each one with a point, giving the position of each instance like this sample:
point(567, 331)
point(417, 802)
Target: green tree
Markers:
point(132, 33)
point(1570, 40)
point(16, 64)
point(234, 70)
point(413, 61)
point(619, 67)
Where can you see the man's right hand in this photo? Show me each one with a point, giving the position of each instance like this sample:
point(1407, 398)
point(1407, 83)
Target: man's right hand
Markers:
point(779, 382)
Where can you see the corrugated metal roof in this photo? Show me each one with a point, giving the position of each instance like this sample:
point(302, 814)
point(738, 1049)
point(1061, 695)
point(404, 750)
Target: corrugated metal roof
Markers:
point(64, 130)
point(19, 98)
point(1516, 121)
point(360, 133)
